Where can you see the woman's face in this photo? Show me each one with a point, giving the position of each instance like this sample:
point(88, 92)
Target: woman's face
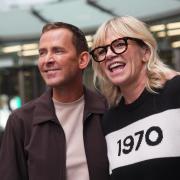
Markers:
point(127, 68)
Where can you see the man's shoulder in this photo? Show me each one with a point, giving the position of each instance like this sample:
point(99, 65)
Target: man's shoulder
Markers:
point(94, 94)
point(96, 99)
point(29, 113)
point(28, 108)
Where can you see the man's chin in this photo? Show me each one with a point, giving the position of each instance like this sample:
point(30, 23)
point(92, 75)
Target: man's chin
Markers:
point(52, 84)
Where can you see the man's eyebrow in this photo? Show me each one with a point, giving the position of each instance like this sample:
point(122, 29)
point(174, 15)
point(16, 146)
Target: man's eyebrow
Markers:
point(41, 49)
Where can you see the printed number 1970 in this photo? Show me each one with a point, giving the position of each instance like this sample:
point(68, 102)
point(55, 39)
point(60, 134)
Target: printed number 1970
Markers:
point(127, 145)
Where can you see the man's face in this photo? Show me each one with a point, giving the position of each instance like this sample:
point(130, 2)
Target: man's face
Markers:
point(58, 60)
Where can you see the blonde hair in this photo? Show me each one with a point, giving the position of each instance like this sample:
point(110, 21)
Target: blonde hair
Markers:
point(129, 26)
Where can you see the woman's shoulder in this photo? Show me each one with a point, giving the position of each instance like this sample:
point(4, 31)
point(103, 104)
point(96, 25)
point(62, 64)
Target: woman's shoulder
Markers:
point(173, 78)
point(172, 85)
point(173, 74)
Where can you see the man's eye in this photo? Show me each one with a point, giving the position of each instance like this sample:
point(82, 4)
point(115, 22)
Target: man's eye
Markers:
point(41, 53)
point(58, 51)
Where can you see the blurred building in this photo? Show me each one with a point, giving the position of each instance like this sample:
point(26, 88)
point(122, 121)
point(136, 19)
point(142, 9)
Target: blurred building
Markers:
point(22, 21)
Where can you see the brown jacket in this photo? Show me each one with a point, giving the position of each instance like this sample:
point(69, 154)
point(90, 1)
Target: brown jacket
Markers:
point(33, 146)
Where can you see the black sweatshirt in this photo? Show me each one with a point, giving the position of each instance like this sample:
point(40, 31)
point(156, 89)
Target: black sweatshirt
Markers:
point(143, 138)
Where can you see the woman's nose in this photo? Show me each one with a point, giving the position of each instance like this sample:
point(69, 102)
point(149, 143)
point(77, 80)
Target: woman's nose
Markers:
point(109, 53)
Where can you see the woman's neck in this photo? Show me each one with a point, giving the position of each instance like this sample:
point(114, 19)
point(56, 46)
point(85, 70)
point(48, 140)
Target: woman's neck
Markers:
point(133, 90)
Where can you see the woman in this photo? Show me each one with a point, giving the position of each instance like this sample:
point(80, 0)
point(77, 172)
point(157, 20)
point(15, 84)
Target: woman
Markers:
point(142, 127)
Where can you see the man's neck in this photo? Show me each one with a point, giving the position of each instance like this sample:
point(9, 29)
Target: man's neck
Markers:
point(67, 94)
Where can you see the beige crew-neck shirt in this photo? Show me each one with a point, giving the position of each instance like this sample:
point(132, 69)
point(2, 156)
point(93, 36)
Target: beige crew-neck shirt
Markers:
point(70, 116)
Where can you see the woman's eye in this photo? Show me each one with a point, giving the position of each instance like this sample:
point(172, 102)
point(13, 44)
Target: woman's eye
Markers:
point(119, 45)
point(101, 51)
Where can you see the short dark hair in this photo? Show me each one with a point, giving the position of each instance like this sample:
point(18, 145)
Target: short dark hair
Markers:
point(78, 40)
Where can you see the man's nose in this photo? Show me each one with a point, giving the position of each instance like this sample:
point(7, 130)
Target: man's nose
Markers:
point(49, 58)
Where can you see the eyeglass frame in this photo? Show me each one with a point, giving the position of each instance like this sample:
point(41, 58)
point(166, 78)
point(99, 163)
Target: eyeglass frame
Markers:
point(140, 42)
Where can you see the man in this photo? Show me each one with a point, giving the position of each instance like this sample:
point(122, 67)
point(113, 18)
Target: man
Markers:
point(58, 135)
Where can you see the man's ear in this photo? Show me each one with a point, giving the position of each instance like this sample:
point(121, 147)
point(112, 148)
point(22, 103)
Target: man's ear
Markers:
point(84, 59)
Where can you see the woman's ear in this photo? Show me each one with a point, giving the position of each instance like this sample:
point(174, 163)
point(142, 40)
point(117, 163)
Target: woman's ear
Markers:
point(146, 54)
point(84, 59)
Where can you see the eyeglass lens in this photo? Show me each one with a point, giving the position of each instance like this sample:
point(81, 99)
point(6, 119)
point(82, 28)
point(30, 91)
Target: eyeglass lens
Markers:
point(118, 46)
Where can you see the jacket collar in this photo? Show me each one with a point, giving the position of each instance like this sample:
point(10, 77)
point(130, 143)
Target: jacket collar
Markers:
point(44, 108)
point(45, 111)
point(94, 103)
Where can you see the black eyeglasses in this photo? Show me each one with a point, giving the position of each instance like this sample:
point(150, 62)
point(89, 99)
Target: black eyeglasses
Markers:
point(118, 46)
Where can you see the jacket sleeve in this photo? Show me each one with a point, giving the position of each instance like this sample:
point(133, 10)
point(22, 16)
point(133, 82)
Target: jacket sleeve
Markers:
point(12, 157)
